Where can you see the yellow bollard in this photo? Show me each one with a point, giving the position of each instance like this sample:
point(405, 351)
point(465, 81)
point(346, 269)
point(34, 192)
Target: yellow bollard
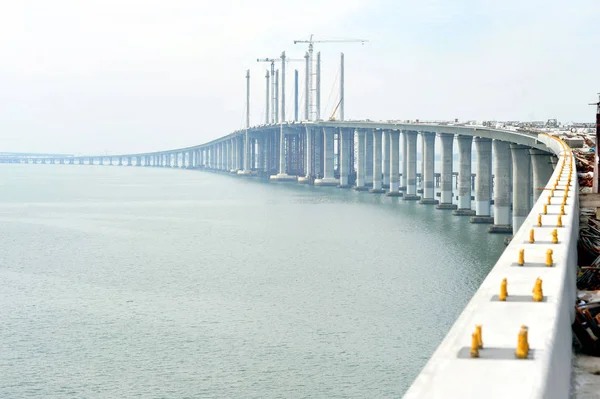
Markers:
point(521, 260)
point(525, 334)
point(531, 237)
point(539, 221)
point(549, 200)
point(554, 236)
point(549, 260)
point(474, 345)
point(559, 222)
point(538, 294)
point(552, 193)
point(545, 209)
point(562, 209)
point(503, 290)
point(522, 344)
point(479, 336)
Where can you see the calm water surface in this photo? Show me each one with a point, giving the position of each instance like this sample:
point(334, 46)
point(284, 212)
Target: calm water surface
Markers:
point(155, 283)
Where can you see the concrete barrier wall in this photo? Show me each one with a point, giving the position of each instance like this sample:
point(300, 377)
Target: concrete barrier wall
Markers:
point(497, 373)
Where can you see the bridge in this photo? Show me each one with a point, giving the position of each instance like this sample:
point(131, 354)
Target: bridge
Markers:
point(525, 186)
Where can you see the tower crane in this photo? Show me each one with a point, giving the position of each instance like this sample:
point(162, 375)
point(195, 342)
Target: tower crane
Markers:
point(274, 89)
point(315, 88)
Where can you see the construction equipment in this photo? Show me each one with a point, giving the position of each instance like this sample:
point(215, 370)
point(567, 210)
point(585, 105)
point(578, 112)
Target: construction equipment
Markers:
point(332, 117)
point(313, 104)
point(274, 99)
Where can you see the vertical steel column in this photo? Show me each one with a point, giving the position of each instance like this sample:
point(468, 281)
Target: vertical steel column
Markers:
point(342, 88)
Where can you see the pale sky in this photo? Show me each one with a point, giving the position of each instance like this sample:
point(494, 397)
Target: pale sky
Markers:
point(118, 76)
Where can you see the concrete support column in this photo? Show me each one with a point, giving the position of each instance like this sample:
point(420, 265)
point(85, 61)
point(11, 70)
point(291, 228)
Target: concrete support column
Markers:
point(234, 155)
point(464, 176)
point(230, 156)
point(261, 153)
point(521, 184)
point(483, 180)
point(247, 165)
point(502, 178)
point(308, 163)
point(428, 168)
point(411, 162)
point(360, 160)
point(328, 170)
point(542, 171)
point(404, 144)
point(282, 175)
point(447, 172)
point(282, 163)
point(386, 159)
point(394, 138)
point(369, 158)
point(377, 182)
point(345, 166)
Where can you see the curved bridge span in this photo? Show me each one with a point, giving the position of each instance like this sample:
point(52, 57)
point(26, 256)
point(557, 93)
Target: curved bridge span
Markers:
point(529, 182)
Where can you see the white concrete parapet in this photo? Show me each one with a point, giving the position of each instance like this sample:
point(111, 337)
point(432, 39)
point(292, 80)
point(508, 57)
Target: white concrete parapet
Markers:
point(497, 373)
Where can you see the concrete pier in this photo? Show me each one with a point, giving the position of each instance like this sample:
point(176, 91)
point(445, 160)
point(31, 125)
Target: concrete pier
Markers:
point(345, 137)
point(246, 156)
point(328, 178)
point(369, 158)
point(521, 184)
point(502, 171)
point(360, 160)
point(394, 136)
point(404, 144)
point(483, 180)
point(386, 158)
point(282, 176)
point(464, 176)
point(308, 165)
point(542, 170)
point(377, 180)
point(428, 168)
point(411, 162)
point(446, 155)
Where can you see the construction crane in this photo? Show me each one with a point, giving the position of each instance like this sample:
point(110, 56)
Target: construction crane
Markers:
point(332, 117)
point(314, 88)
point(274, 88)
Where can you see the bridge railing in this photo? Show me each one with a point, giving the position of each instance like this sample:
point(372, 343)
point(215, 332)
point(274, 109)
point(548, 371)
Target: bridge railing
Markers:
point(497, 372)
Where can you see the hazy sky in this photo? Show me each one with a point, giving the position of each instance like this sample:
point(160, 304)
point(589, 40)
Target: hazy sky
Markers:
point(110, 76)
